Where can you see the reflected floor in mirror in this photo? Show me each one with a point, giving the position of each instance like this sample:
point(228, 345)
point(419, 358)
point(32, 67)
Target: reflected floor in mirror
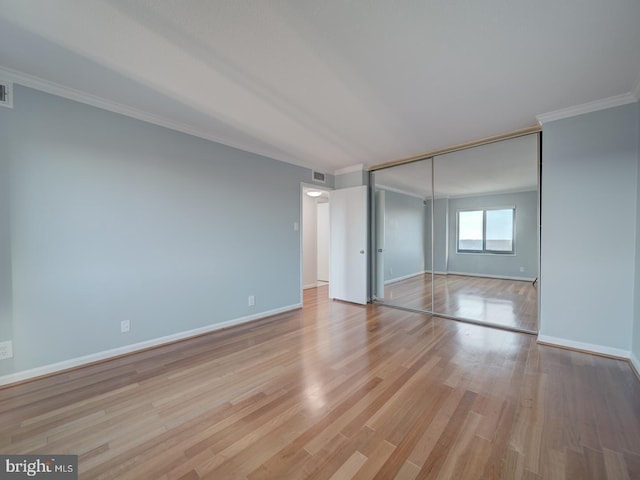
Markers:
point(508, 303)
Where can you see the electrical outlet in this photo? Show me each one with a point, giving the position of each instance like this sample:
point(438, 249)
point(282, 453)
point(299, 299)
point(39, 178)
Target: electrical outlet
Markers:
point(252, 300)
point(6, 349)
point(125, 326)
point(522, 269)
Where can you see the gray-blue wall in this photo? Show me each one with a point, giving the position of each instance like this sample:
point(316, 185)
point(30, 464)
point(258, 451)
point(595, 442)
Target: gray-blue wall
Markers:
point(635, 347)
point(115, 219)
point(6, 323)
point(589, 201)
point(405, 241)
point(440, 234)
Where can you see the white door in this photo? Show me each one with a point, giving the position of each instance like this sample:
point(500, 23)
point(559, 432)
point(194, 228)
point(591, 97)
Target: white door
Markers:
point(379, 243)
point(348, 218)
point(323, 242)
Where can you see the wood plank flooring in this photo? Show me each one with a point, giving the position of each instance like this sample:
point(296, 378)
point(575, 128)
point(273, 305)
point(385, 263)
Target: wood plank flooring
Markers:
point(338, 391)
point(507, 303)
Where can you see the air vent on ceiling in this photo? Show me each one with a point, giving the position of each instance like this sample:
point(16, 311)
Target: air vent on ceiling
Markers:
point(319, 177)
point(6, 94)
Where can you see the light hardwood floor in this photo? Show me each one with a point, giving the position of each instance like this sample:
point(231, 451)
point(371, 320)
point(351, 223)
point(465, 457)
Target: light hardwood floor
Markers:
point(338, 391)
point(507, 303)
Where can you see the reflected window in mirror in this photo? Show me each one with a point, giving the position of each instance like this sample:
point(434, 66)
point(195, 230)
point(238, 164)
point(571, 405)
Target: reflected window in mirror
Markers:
point(489, 230)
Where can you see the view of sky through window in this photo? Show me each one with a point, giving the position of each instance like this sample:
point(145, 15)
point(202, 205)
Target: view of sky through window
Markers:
point(486, 230)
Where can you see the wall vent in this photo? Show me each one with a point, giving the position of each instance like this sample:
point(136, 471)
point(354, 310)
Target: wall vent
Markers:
point(319, 177)
point(6, 94)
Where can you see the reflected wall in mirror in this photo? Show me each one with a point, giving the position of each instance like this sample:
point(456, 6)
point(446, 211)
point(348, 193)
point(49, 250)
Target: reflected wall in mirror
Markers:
point(486, 235)
point(402, 235)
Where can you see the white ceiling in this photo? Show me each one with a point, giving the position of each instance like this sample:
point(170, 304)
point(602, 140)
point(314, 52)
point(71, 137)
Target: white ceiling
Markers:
point(330, 84)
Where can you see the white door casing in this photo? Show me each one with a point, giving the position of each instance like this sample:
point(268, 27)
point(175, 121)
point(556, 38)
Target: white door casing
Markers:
point(379, 243)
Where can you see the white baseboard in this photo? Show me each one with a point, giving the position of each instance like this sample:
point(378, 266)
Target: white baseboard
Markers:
point(463, 274)
point(635, 362)
point(586, 347)
point(119, 351)
point(404, 277)
point(500, 277)
point(319, 283)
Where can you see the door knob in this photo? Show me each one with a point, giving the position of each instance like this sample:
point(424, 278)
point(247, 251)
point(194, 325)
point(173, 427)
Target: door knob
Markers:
point(379, 250)
point(362, 251)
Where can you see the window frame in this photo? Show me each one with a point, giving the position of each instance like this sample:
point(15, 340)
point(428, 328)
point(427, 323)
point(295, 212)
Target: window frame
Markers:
point(484, 250)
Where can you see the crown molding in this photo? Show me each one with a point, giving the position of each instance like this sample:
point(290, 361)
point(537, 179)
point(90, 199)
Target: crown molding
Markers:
point(69, 93)
point(353, 168)
point(589, 107)
point(455, 148)
point(80, 96)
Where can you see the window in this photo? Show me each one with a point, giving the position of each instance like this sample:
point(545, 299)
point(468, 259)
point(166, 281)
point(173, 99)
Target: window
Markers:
point(486, 231)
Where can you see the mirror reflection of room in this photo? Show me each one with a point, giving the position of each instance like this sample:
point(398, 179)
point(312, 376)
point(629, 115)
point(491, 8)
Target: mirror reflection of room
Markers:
point(479, 229)
point(486, 244)
point(402, 211)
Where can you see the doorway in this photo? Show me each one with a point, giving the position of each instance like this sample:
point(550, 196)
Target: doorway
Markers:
point(315, 237)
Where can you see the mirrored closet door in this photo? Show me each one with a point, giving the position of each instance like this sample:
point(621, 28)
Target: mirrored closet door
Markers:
point(402, 238)
point(457, 234)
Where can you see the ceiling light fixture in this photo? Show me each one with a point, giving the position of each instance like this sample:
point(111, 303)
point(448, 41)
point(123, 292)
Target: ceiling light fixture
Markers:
point(314, 193)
